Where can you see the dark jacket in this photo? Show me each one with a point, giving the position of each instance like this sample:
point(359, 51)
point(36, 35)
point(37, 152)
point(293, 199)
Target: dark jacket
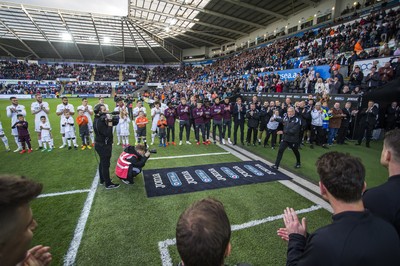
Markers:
point(103, 132)
point(239, 115)
point(368, 116)
point(252, 118)
point(291, 128)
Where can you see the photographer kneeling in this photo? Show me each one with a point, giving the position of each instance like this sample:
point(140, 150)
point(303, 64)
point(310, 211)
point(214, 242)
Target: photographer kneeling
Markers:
point(130, 163)
point(103, 124)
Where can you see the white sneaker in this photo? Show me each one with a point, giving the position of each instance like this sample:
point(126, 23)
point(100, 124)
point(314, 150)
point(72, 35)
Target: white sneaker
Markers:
point(62, 146)
point(118, 143)
point(223, 141)
point(18, 149)
point(229, 141)
point(152, 143)
point(180, 142)
point(188, 142)
point(7, 148)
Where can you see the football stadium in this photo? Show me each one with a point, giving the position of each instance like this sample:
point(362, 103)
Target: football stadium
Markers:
point(200, 132)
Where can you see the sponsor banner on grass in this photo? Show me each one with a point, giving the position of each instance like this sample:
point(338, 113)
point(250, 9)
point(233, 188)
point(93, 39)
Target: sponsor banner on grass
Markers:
point(162, 182)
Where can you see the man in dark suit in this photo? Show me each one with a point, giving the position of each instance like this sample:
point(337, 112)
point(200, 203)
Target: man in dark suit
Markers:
point(384, 200)
point(367, 122)
point(344, 127)
point(239, 116)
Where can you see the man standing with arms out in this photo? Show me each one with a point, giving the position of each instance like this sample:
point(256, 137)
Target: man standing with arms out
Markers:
point(227, 122)
point(239, 115)
point(39, 109)
point(384, 200)
point(183, 112)
point(12, 111)
point(355, 237)
point(367, 123)
point(61, 108)
point(291, 131)
point(88, 112)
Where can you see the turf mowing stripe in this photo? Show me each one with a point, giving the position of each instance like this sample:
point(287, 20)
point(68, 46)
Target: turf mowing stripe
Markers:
point(189, 155)
point(164, 245)
point(69, 259)
point(243, 154)
point(64, 193)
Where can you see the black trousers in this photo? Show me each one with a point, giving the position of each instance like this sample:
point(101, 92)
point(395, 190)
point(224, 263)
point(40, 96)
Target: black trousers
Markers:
point(227, 126)
point(219, 126)
point(104, 152)
point(198, 128)
point(367, 129)
point(342, 133)
point(130, 113)
point(269, 133)
point(171, 132)
point(254, 131)
point(283, 146)
point(207, 127)
point(184, 124)
point(235, 129)
point(317, 135)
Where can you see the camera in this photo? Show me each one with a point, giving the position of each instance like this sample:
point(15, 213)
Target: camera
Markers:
point(110, 116)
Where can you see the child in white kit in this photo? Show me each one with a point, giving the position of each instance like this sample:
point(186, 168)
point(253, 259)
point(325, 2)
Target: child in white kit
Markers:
point(124, 123)
point(67, 122)
point(45, 133)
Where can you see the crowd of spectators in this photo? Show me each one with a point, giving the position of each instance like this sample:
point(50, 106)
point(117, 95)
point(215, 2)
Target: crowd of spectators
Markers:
point(126, 88)
point(107, 73)
point(137, 73)
point(34, 88)
point(87, 88)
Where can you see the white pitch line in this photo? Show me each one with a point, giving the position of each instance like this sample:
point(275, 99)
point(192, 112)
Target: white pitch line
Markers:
point(64, 193)
point(70, 257)
point(164, 245)
point(190, 155)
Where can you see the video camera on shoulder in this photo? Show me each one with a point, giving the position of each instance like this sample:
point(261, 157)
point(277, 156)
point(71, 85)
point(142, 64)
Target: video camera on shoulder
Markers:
point(110, 117)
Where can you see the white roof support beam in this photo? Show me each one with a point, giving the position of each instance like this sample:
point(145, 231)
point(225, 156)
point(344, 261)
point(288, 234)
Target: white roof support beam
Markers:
point(213, 13)
point(98, 37)
point(147, 44)
point(256, 8)
point(69, 32)
point(19, 39)
point(190, 20)
point(309, 2)
point(41, 32)
point(7, 51)
point(123, 40)
point(134, 41)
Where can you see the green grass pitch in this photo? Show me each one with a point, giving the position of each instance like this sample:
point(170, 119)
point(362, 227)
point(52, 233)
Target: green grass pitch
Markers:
point(124, 226)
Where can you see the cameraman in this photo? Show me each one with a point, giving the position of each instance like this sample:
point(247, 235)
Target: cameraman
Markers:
point(130, 163)
point(103, 125)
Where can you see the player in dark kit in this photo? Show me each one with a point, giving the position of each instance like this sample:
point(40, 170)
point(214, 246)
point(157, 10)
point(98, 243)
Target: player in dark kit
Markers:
point(227, 121)
point(198, 116)
point(207, 119)
point(23, 133)
point(170, 115)
point(183, 112)
point(291, 131)
point(217, 112)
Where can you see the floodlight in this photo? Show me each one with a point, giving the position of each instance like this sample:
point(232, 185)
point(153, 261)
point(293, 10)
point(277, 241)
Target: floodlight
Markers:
point(66, 36)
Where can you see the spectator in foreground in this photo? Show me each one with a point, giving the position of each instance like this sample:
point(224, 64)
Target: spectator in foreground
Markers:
point(17, 224)
point(384, 200)
point(355, 237)
point(203, 233)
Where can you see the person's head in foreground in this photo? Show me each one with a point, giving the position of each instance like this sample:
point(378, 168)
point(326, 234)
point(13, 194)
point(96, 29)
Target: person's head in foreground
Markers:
point(203, 233)
point(390, 155)
point(17, 224)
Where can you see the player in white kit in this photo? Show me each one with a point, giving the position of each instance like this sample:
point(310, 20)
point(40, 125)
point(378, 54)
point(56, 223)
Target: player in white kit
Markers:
point(45, 133)
point(12, 111)
point(155, 116)
point(88, 112)
point(68, 123)
point(39, 109)
point(4, 138)
point(124, 124)
point(139, 107)
point(60, 112)
point(120, 108)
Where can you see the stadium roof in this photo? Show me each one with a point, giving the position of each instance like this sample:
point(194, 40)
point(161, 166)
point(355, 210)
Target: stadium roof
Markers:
point(153, 31)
